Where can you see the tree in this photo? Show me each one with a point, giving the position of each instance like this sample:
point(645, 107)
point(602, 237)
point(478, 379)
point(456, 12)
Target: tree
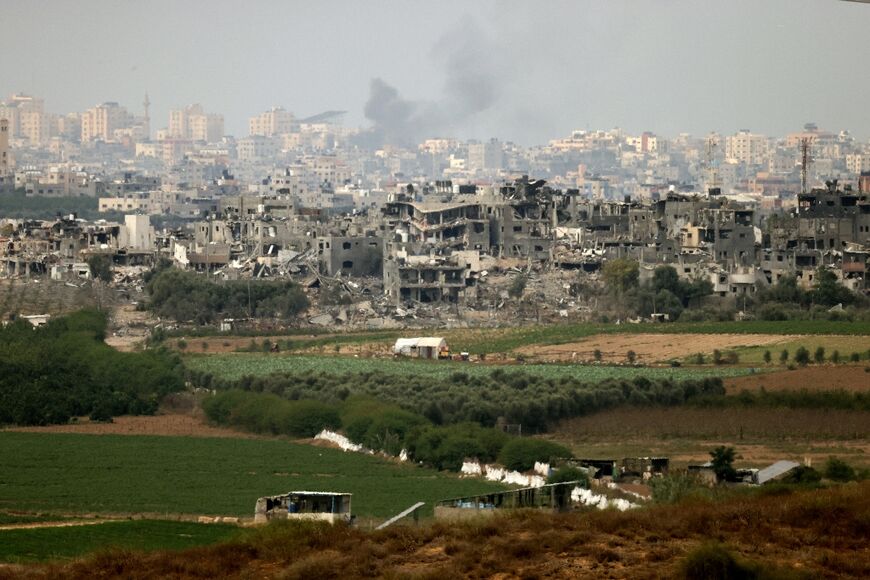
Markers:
point(767, 357)
point(100, 267)
point(839, 470)
point(597, 355)
point(835, 357)
point(620, 274)
point(783, 356)
point(819, 355)
point(631, 356)
point(802, 356)
point(828, 291)
point(722, 461)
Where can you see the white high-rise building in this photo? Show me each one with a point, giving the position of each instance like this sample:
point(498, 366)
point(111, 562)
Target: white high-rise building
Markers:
point(4, 148)
point(193, 123)
point(275, 121)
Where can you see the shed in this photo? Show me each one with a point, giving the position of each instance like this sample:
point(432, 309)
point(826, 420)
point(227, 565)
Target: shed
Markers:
point(431, 347)
point(552, 496)
point(775, 471)
point(326, 506)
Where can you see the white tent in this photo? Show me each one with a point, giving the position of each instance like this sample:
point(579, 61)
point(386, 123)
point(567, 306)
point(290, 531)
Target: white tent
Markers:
point(422, 347)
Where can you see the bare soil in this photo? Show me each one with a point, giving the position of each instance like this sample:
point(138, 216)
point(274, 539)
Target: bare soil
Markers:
point(173, 425)
point(854, 378)
point(649, 348)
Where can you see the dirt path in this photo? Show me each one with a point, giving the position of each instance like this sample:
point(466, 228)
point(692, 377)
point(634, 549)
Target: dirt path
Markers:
point(63, 524)
point(649, 348)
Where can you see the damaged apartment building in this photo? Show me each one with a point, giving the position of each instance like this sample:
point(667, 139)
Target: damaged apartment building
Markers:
point(60, 248)
point(437, 239)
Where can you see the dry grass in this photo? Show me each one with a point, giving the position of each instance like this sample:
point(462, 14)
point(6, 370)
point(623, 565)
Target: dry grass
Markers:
point(807, 534)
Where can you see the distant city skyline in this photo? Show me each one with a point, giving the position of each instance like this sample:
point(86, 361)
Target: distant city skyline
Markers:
point(511, 70)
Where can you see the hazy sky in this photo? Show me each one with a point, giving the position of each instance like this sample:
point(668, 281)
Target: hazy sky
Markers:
point(522, 71)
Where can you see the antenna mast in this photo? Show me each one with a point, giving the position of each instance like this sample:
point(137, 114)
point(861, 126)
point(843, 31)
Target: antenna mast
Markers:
point(805, 162)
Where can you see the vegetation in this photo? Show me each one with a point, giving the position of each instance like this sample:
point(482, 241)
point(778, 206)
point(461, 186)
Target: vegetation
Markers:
point(520, 398)
point(69, 473)
point(187, 296)
point(271, 414)
point(663, 541)
point(64, 370)
point(522, 454)
point(566, 474)
point(786, 300)
point(38, 544)
point(722, 461)
point(17, 205)
point(235, 366)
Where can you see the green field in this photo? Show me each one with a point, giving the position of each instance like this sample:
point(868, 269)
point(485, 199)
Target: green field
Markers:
point(66, 473)
point(236, 365)
point(38, 544)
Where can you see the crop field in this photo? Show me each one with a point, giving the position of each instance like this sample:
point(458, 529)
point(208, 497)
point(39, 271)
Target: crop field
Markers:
point(50, 543)
point(851, 378)
point(685, 434)
point(508, 339)
point(236, 365)
point(67, 474)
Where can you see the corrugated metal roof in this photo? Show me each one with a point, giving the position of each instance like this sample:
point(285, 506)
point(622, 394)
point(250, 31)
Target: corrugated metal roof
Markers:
point(773, 471)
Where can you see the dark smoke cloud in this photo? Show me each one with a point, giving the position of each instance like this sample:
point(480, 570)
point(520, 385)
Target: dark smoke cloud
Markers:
point(472, 85)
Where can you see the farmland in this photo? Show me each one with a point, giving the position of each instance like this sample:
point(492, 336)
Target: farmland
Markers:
point(67, 474)
point(509, 339)
point(49, 543)
point(236, 365)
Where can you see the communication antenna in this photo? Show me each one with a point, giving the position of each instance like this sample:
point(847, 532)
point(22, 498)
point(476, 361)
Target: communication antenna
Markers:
point(709, 162)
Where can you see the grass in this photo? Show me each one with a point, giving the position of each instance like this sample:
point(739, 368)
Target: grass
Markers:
point(236, 365)
point(39, 544)
point(71, 473)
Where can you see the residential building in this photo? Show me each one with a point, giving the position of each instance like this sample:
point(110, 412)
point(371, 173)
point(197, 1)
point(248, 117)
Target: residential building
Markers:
point(746, 147)
point(101, 122)
point(275, 121)
point(193, 123)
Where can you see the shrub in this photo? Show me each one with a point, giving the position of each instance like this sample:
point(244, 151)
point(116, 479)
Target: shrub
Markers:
point(835, 357)
point(713, 561)
point(855, 357)
point(802, 475)
point(838, 470)
point(631, 356)
point(566, 474)
point(518, 286)
point(819, 355)
point(182, 344)
point(802, 356)
point(722, 459)
point(767, 357)
point(597, 355)
point(522, 454)
point(674, 487)
point(783, 356)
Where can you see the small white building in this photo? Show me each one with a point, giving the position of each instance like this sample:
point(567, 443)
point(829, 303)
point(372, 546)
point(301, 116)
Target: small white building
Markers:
point(324, 506)
point(431, 347)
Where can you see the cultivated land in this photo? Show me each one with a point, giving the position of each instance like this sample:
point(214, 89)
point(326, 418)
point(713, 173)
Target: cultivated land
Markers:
point(786, 534)
point(237, 365)
point(686, 435)
point(502, 341)
point(75, 474)
point(852, 378)
point(51, 543)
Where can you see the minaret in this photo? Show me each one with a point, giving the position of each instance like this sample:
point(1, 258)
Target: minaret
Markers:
point(147, 120)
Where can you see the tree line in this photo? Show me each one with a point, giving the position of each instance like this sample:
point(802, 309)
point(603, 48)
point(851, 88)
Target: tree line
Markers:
point(190, 297)
point(64, 369)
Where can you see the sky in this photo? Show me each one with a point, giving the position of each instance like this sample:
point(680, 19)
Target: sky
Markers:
point(520, 71)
